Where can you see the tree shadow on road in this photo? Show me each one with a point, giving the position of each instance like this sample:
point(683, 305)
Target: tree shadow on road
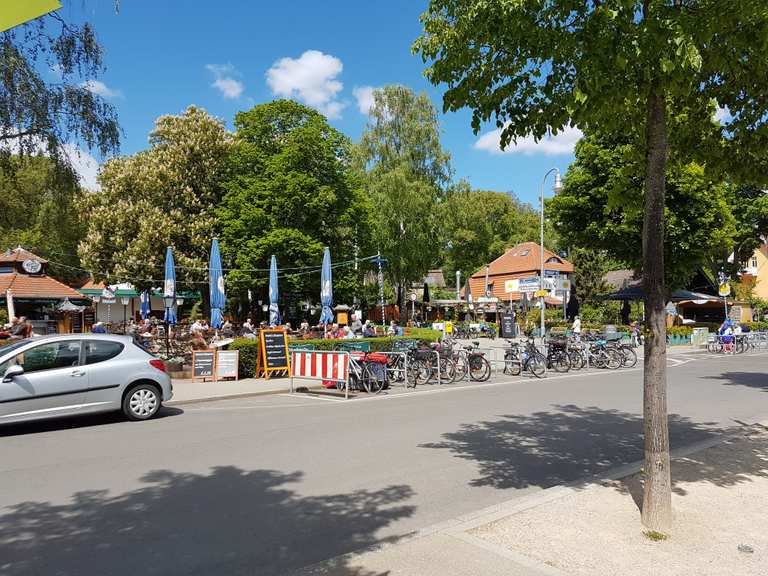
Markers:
point(571, 445)
point(230, 521)
point(757, 380)
point(561, 446)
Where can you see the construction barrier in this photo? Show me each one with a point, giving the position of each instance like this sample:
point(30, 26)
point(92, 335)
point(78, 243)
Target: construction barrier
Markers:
point(321, 365)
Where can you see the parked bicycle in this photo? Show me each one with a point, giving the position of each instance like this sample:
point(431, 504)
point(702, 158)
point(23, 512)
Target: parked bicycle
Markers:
point(527, 358)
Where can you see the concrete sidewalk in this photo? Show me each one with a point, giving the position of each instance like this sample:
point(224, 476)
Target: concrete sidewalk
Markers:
point(186, 391)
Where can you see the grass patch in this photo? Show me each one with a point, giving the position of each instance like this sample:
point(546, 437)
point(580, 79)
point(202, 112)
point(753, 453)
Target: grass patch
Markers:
point(655, 536)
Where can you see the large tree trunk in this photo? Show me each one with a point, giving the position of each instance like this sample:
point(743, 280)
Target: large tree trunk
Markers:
point(657, 501)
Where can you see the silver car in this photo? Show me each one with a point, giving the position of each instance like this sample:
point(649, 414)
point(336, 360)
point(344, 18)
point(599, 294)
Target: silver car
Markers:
point(70, 374)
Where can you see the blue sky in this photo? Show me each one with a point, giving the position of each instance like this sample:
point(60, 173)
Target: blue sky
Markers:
point(163, 55)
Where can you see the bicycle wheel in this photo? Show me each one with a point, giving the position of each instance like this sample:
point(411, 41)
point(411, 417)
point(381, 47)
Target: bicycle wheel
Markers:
point(447, 371)
point(373, 382)
point(630, 357)
point(560, 362)
point(422, 370)
point(536, 365)
point(615, 359)
point(577, 360)
point(479, 368)
point(411, 372)
point(512, 364)
point(460, 360)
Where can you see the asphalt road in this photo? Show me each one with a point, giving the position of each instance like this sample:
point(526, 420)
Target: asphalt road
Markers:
point(270, 484)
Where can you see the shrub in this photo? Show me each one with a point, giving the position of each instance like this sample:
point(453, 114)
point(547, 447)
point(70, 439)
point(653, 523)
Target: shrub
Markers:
point(680, 331)
point(3, 316)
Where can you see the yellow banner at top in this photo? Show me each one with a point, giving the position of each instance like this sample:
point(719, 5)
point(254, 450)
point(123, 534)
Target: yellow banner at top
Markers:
point(15, 12)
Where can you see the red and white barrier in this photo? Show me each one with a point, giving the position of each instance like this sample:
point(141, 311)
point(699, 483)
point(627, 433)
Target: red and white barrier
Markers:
point(320, 365)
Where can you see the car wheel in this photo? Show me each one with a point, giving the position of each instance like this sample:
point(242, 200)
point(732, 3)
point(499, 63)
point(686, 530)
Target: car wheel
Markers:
point(141, 402)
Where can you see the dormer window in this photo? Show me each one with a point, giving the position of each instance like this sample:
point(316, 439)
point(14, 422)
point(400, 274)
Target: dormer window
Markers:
point(554, 260)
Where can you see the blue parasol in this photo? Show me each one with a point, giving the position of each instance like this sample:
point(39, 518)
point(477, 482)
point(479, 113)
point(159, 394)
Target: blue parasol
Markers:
point(146, 308)
point(274, 311)
point(169, 290)
point(218, 298)
point(326, 289)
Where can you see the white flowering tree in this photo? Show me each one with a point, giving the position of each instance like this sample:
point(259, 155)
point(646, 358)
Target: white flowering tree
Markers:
point(163, 196)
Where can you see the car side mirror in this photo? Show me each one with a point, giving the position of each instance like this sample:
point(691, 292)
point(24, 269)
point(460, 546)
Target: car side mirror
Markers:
point(12, 372)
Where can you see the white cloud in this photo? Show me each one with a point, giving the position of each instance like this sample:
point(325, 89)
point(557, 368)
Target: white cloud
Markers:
point(224, 80)
point(100, 89)
point(311, 78)
point(84, 164)
point(560, 144)
point(364, 96)
point(723, 115)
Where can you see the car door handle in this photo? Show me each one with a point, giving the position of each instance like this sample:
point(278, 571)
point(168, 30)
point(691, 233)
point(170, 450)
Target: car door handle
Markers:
point(77, 373)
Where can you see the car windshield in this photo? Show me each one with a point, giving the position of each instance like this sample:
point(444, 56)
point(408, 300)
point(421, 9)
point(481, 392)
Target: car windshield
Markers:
point(15, 346)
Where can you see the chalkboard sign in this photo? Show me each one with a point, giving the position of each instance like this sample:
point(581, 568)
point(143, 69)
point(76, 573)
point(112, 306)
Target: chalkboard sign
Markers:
point(508, 326)
point(203, 364)
point(226, 364)
point(273, 352)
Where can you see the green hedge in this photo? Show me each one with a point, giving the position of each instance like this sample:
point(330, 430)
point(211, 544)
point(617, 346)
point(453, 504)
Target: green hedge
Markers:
point(249, 348)
point(680, 331)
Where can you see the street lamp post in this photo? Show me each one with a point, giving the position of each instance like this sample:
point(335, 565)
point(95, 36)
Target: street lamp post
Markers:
point(556, 188)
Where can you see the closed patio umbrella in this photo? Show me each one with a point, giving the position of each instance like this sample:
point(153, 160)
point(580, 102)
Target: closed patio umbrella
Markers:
point(218, 298)
point(274, 310)
point(169, 289)
point(145, 305)
point(326, 289)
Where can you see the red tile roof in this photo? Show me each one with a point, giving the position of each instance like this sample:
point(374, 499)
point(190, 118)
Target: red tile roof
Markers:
point(522, 261)
point(524, 257)
point(19, 255)
point(25, 286)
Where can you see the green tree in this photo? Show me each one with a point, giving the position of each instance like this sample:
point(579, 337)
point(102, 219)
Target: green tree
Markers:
point(601, 207)
point(38, 210)
point(479, 225)
point(163, 196)
point(650, 68)
point(290, 192)
point(406, 175)
point(38, 115)
point(589, 268)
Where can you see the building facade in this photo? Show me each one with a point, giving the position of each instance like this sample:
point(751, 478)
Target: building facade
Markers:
point(517, 271)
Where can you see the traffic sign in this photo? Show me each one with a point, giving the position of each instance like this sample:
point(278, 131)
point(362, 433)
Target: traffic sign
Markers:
point(724, 289)
point(541, 293)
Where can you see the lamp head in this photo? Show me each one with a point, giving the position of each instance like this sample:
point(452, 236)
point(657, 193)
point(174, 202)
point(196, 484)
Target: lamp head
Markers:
point(557, 188)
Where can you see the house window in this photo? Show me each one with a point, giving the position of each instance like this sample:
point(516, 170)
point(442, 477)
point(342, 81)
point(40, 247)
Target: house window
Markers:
point(753, 262)
point(524, 252)
point(554, 260)
point(6, 269)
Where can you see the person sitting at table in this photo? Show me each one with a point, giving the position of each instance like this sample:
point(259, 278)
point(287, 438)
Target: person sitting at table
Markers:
point(347, 333)
point(98, 328)
point(369, 331)
point(198, 342)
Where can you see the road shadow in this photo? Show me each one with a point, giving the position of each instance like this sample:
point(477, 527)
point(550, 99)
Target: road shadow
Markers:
point(571, 444)
point(84, 421)
point(756, 380)
point(230, 521)
point(560, 446)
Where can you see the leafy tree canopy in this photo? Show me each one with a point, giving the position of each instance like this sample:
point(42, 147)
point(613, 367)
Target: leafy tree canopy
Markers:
point(38, 210)
point(601, 207)
point(163, 196)
point(406, 172)
point(289, 192)
point(38, 115)
point(479, 225)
